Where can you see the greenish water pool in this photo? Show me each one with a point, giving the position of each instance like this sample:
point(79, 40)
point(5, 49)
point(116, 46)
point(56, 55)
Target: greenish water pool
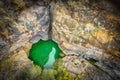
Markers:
point(44, 53)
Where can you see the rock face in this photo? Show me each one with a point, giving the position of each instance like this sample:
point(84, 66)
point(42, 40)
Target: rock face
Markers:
point(21, 24)
point(83, 30)
point(13, 66)
point(87, 32)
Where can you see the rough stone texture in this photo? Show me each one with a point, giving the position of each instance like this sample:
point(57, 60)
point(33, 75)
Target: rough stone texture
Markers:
point(78, 65)
point(87, 32)
point(14, 65)
point(84, 30)
point(21, 24)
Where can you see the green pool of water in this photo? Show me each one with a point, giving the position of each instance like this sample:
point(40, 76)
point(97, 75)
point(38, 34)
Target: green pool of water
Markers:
point(44, 53)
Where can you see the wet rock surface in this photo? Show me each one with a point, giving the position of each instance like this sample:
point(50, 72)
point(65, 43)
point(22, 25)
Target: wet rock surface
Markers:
point(87, 32)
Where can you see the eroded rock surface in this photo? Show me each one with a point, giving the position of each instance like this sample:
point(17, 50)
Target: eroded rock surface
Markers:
point(87, 32)
point(21, 24)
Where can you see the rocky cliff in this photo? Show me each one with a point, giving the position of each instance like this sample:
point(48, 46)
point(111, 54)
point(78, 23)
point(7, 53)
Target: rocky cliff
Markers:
point(87, 31)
